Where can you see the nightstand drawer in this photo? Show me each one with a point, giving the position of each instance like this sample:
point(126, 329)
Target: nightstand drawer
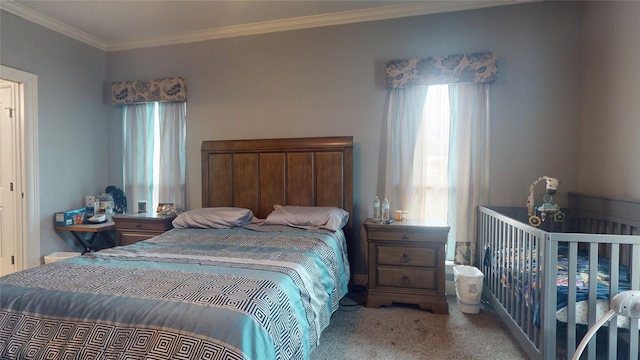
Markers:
point(131, 228)
point(405, 256)
point(407, 277)
point(381, 235)
point(128, 238)
point(143, 225)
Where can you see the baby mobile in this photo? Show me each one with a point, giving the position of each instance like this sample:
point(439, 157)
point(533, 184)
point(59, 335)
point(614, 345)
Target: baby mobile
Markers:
point(547, 209)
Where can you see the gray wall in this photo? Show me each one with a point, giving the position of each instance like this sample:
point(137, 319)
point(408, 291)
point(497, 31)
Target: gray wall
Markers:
point(331, 81)
point(610, 126)
point(72, 117)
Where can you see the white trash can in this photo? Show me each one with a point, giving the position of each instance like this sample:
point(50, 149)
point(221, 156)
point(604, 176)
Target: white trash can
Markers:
point(468, 281)
point(57, 256)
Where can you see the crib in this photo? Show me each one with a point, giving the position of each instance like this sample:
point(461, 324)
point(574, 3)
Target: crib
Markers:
point(526, 271)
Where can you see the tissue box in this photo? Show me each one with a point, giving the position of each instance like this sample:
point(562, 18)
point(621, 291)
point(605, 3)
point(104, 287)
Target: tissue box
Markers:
point(71, 217)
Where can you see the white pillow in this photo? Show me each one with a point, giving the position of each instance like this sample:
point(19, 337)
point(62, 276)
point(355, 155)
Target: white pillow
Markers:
point(323, 217)
point(213, 218)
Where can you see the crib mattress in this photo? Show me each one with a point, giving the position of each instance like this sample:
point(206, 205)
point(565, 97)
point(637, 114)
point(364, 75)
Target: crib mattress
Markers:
point(582, 314)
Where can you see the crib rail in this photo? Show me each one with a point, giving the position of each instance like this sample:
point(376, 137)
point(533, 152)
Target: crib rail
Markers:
point(594, 242)
point(520, 267)
point(501, 240)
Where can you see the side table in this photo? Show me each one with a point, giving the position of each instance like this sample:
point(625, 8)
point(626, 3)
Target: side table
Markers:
point(406, 264)
point(94, 229)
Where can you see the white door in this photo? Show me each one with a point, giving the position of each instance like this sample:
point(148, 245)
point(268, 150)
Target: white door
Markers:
point(9, 132)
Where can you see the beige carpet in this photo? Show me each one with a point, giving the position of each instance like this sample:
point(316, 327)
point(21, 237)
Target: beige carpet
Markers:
point(406, 332)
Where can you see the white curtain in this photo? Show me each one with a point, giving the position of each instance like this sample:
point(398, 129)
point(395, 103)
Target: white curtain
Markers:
point(154, 145)
point(139, 142)
point(468, 157)
point(172, 168)
point(430, 177)
point(404, 116)
point(468, 166)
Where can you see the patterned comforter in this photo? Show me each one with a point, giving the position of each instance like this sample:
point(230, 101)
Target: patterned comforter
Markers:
point(523, 279)
point(242, 293)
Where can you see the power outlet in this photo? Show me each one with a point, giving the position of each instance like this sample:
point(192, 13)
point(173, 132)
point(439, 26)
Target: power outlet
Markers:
point(89, 200)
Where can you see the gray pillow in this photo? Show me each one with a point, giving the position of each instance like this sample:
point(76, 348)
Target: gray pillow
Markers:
point(213, 218)
point(323, 217)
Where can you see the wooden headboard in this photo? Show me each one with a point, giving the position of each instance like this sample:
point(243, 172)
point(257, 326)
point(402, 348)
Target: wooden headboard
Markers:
point(258, 174)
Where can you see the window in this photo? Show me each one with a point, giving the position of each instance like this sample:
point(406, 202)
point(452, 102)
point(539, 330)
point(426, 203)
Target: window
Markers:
point(154, 153)
point(431, 157)
point(437, 157)
point(468, 78)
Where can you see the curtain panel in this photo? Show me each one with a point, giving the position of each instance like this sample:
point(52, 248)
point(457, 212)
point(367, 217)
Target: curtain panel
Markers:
point(173, 89)
point(468, 166)
point(173, 157)
point(138, 143)
point(442, 70)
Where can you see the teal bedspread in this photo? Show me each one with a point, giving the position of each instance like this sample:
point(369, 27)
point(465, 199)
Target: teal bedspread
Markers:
point(244, 293)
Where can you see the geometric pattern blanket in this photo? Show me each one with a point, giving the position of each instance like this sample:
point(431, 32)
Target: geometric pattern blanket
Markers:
point(263, 292)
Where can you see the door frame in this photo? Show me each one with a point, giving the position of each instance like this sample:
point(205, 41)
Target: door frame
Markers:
point(28, 242)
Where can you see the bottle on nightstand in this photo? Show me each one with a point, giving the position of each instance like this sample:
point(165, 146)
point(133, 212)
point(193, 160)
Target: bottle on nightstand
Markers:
point(376, 209)
point(385, 211)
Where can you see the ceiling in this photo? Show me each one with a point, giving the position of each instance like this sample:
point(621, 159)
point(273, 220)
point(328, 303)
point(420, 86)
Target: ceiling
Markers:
point(119, 25)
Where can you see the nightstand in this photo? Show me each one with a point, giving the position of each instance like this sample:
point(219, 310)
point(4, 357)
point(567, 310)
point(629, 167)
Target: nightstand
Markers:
point(131, 228)
point(406, 264)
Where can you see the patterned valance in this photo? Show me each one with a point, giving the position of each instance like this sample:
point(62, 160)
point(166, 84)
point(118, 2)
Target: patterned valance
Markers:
point(144, 91)
point(452, 69)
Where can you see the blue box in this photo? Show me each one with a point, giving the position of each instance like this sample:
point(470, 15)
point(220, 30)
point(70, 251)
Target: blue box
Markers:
point(71, 217)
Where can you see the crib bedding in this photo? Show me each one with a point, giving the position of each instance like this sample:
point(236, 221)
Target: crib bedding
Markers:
point(256, 292)
point(582, 287)
point(519, 281)
point(582, 277)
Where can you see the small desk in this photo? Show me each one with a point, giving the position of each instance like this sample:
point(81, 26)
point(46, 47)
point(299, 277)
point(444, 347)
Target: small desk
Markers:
point(94, 229)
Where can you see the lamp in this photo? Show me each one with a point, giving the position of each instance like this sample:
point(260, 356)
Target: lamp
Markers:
point(626, 303)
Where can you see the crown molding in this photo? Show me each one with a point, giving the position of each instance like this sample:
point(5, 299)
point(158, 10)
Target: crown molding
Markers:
point(52, 24)
point(306, 22)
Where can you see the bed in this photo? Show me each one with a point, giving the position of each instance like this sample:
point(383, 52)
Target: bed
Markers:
point(551, 284)
point(256, 273)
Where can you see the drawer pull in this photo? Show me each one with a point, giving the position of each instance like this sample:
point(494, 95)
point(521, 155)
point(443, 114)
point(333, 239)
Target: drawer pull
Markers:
point(405, 237)
point(405, 280)
point(405, 258)
point(138, 226)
